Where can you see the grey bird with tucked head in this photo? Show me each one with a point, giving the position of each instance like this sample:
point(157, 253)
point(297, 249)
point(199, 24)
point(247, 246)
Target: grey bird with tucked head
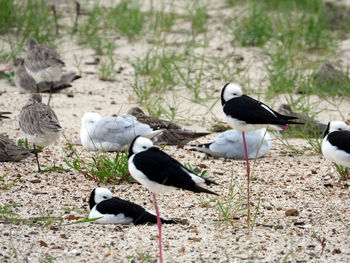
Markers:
point(26, 83)
point(43, 63)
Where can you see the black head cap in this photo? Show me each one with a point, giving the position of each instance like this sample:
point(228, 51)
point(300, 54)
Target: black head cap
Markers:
point(92, 202)
point(326, 130)
point(222, 94)
point(131, 146)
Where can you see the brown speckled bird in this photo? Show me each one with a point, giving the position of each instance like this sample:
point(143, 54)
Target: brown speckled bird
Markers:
point(39, 123)
point(173, 133)
point(43, 63)
point(10, 152)
point(26, 83)
point(312, 127)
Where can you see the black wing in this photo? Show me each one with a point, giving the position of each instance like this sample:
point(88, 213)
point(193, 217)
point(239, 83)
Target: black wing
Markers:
point(139, 215)
point(252, 111)
point(340, 139)
point(163, 169)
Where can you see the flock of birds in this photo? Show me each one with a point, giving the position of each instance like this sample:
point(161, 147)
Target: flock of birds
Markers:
point(41, 71)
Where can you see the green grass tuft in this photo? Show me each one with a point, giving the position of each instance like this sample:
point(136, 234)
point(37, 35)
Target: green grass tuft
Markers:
point(126, 18)
point(101, 168)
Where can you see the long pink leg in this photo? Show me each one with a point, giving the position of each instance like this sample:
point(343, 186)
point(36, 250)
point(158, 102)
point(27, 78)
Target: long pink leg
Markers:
point(248, 177)
point(159, 228)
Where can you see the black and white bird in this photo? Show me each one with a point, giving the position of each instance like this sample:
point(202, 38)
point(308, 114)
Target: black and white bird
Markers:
point(336, 143)
point(114, 210)
point(247, 114)
point(159, 172)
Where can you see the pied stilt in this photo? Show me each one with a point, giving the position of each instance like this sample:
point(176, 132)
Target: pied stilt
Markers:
point(247, 114)
point(336, 143)
point(159, 172)
point(118, 211)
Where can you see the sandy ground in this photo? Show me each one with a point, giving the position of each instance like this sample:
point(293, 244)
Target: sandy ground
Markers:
point(281, 181)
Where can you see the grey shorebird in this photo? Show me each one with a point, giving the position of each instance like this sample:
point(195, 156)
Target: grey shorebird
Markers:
point(39, 123)
point(43, 63)
point(10, 152)
point(26, 82)
point(173, 133)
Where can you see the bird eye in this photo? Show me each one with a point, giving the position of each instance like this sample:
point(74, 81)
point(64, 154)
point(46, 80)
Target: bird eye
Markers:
point(144, 147)
point(235, 94)
point(105, 197)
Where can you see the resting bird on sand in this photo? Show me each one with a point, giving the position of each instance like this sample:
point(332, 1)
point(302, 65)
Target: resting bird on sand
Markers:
point(11, 152)
point(336, 144)
point(26, 83)
point(112, 134)
point(229, 145)
point(118, 211)
point(43, 63)
point(173, 134)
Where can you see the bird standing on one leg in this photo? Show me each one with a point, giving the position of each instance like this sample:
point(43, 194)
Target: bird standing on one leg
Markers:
point(43, 63)
point(336, 144)
point(39, 123)
point(247, 114)
point(159, 172)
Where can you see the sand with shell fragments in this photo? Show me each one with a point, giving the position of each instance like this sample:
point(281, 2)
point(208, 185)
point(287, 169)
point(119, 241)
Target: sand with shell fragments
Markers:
point(281, 181)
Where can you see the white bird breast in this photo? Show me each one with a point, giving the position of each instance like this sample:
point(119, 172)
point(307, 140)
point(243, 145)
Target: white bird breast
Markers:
point(43, 139)
point(109, 218)
point(154, 187)
point(333, 154)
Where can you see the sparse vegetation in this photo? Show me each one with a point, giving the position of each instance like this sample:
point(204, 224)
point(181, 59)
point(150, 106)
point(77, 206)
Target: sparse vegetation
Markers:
point(101, 168)
point(343, 172)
